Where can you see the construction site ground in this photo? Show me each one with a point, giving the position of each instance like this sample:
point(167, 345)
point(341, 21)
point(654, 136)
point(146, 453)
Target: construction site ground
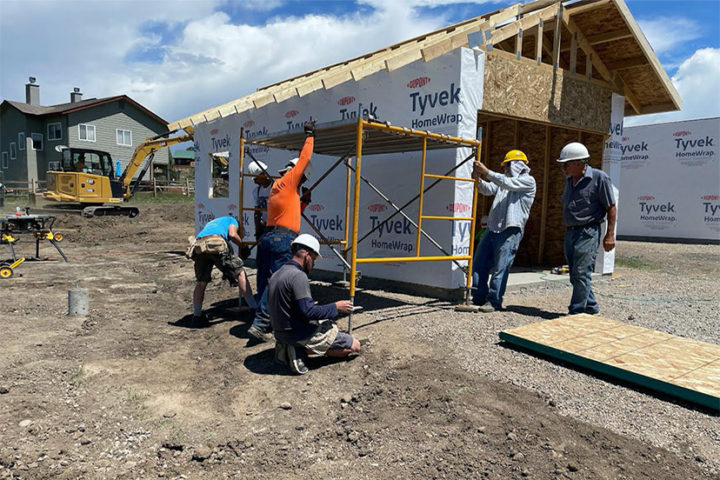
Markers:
point(130, 391)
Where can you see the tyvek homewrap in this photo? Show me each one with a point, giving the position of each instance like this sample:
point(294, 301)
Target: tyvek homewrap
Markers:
point(441, 96)
point(670, 176)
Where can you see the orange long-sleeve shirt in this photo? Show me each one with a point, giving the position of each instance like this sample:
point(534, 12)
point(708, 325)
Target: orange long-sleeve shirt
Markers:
point(284, 203)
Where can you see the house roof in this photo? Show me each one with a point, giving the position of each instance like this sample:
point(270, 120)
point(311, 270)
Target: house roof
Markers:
point(599, 33)
point(64, 108)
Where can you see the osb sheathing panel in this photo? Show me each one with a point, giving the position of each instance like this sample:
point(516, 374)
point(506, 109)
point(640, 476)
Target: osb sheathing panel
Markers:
point(627, 349)
point(599, 20)
point(531, 140)
point(619, 50)
point(519, 88)
point(643, 83)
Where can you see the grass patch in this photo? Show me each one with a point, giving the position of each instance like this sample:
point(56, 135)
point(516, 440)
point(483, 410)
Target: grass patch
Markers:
point(636, 262)
point(147, 197)
point(77, 378)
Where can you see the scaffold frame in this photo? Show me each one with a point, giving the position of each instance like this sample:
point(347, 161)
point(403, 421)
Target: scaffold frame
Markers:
point(370, 137)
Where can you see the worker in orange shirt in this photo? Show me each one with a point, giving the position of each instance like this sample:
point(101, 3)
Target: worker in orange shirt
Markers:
point(284, 208)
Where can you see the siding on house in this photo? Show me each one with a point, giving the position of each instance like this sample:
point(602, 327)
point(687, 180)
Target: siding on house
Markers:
point(107, 119)
point(12, 122)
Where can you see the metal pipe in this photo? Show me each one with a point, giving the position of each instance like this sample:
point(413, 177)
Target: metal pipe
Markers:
point(356, 207)
point(420, 202)
point(412, 259)
point(441, 217)
point(414, 198)
point(445, 177)
point(471, 244)
point(325, 240)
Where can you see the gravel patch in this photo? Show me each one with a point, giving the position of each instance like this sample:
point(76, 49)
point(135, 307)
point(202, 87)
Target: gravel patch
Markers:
point(667, 287)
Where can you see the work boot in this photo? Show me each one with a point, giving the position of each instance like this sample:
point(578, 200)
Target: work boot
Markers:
point(199, 321)
point(259, 335)
point(487, 308)
point(297, 364)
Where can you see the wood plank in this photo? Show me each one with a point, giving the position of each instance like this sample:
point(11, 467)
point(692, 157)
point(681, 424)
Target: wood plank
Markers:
point(556, 39)
point(544, 204)
point(678, 366)
point(573, 53)
point(627, 63)
point(609, 36)
point(587, 48)
point(539, 42)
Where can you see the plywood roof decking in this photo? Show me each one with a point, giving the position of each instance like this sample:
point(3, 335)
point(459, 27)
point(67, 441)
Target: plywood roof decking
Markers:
point(340, 138)
point(648, 88)
point(677, 366)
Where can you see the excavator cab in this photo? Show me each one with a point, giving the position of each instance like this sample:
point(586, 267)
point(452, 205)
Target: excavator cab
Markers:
point(84, 176)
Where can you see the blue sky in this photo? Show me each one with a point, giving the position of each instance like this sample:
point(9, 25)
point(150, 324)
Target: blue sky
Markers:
point(180, 57)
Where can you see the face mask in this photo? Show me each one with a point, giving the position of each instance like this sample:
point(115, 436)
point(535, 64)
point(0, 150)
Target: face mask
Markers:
point(516, 168)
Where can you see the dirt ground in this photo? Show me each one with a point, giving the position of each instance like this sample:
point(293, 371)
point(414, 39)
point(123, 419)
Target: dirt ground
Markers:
point(131, 392)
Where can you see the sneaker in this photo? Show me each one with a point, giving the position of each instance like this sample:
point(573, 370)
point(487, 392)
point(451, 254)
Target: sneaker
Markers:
point(259, 335)
point(199, 321)
point(486, 308)
point(297, 364)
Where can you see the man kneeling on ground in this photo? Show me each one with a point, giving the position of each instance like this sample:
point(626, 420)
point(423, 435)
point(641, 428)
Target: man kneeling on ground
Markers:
point(301, 327)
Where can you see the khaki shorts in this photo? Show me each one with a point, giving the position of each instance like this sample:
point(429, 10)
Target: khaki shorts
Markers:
point(327, 336)
point(226, 261)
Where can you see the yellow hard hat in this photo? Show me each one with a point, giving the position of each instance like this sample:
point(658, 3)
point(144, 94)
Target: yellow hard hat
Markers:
point(515, 155)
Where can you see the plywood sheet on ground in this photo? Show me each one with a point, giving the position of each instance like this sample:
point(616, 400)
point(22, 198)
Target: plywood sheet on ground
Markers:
point(677, 366)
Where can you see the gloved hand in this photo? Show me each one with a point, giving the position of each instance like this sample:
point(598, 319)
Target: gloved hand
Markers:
point(306, 196)
point(309, 128)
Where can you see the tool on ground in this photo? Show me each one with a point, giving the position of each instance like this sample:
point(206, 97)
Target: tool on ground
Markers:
point(39, 226)
point(7, 269)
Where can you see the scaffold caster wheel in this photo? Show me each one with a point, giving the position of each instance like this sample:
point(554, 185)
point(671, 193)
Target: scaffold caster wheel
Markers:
point(6, 272)
point(58, 237)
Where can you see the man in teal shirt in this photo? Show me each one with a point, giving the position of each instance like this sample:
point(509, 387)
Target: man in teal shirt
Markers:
point(211, 248)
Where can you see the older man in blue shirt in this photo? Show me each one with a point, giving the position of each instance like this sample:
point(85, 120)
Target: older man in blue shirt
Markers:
point(587, 198)
point(514, 195)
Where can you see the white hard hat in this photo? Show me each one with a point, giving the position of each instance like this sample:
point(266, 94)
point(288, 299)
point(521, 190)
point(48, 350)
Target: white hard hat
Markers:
point(573, 151)
point(292, 163)
point(257, 167)
point(307, 240)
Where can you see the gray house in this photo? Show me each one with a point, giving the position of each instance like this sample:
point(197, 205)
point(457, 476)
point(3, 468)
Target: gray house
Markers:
point(30, 132)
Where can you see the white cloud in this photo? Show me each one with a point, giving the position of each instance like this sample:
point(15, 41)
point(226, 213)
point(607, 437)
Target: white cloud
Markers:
point(697, 81)
point(667, 33)
point(212, 61)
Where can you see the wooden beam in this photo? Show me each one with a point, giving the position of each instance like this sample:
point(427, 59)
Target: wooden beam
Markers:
point(525, 23)
point(609, 36)
point(588, 65)
point(627, 63)
point(582, 7)
point(556, 39)
point(573, 53)
point(539, 42)
point(518, 44)
point(588, 49)
point(544, 205)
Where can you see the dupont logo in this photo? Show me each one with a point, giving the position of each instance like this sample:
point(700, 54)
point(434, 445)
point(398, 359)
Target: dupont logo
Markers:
point(625, 139)
point(377, 207)
point(646, 197)
point(457, 207)
point(346, 100)
point(232, 206)
point(682, 133)
point(248, 124)
point(316, 207)
point(710, 197)
point(418, 82)
point(291, 113)
point(214, 131)
point(201, 205)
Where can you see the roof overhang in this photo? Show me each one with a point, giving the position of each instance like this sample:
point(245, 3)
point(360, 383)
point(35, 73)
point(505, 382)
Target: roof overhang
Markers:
point(596, 38)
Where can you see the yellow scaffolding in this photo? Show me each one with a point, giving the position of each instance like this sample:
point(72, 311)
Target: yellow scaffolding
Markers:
point(370, 137)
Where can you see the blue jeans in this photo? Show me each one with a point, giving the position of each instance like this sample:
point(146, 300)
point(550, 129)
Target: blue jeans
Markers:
point(581, 247)
point(494, 256)
point(273, 252)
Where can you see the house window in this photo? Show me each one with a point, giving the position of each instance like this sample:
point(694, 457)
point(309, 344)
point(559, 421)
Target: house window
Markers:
point(13, 151)
point(37, 141)
point(21, 140)
point(86, 132)
point(4, 160)
point(54, 131)
point(124, 137)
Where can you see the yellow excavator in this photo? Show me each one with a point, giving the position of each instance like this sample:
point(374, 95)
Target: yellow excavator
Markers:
point(86, 179)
